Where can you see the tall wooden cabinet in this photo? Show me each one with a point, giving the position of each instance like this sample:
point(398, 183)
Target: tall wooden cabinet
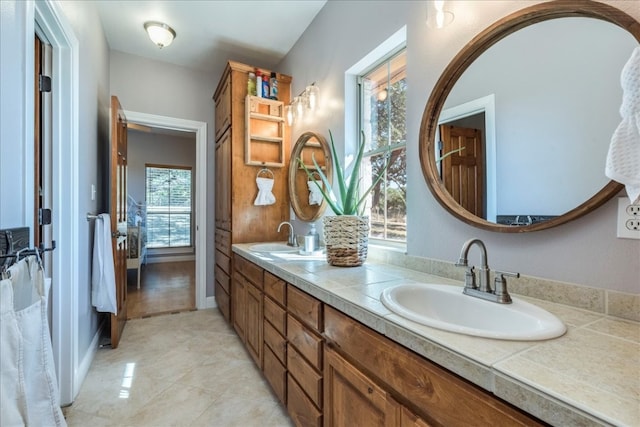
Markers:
point(237, 219)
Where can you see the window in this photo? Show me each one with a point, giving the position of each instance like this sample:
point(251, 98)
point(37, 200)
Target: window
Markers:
point(169, 218)
point(383, 94)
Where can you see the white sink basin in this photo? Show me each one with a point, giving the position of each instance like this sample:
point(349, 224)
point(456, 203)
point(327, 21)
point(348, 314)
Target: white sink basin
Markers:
point(446, 307)
point(272, 247)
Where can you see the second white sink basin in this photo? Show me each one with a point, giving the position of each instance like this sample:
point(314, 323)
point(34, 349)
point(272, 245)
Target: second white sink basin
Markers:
point(272, 247)
point(446, 307)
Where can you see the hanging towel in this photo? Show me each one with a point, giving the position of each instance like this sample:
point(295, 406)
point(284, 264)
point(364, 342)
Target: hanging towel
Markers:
point(623, 158)
point(103, 280)
point(315, 196)
point(265, 196)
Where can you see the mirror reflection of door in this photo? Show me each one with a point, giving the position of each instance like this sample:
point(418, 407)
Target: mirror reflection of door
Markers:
point(462, 173)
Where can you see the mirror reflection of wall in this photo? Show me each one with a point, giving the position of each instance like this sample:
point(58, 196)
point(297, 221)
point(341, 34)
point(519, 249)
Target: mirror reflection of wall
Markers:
point(557, 94)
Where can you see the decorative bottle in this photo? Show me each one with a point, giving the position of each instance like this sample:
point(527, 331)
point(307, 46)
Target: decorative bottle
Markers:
point(258, 83)
point(265, 86)
point(273, 90)
point(251, 84)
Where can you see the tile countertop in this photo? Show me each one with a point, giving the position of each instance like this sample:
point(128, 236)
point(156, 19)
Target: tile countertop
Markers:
point(589, 376)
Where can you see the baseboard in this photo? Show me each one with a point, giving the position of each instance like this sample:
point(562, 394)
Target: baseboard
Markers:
point(87, 360)
point(210, 302)
point(171, 258)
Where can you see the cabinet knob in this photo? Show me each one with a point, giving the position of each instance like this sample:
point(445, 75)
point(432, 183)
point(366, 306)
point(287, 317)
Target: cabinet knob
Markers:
point(370, 390)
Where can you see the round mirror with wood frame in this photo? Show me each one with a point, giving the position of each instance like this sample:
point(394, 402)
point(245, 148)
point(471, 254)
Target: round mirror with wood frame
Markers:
point(308, 147)
point(429, 129)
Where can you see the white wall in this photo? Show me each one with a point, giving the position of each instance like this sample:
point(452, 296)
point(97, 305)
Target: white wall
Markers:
point(584, 251)
point(163, 89)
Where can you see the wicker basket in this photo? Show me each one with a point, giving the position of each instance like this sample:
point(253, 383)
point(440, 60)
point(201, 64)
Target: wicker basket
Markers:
point(346, 238)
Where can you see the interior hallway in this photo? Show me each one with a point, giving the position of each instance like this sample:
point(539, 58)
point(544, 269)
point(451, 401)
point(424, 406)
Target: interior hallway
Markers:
point(168, 287)
point(185, 369)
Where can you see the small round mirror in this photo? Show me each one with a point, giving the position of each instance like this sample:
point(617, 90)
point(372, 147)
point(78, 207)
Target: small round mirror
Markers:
point(306, 201)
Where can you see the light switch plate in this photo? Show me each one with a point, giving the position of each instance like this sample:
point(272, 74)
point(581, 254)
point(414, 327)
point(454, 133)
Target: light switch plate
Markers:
point(628, 219)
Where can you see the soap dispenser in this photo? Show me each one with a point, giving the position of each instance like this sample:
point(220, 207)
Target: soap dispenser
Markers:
point(313, 238)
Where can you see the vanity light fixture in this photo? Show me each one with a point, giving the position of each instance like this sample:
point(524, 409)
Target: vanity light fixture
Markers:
point(160, 33)
point(306, 102)
point(437, 16)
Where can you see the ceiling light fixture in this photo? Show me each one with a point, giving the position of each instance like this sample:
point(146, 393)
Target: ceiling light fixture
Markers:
point(160, 33)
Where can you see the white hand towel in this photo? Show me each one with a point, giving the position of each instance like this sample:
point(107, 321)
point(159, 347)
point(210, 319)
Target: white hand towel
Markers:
point(103, 280)
point(265, 196)
point(315, 196)
point(623, 158)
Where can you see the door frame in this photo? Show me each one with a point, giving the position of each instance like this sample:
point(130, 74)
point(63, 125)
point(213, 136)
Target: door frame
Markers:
point(50, 24)
point(486, 105)
point(200, 129)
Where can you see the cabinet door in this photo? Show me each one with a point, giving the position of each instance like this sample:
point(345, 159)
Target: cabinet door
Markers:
point(409, 419)
point(238, 304)
point(253, 330)
point(352, 399)
point(223, 109)
point(223, 182)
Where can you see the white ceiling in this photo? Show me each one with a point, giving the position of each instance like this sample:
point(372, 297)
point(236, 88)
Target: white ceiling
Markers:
point(210, 32)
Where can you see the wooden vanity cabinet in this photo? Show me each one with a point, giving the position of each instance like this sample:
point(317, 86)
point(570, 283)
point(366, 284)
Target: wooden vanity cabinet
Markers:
point(359, 359)
point(305, 347)
point(237, 219)
point(247, 306)
point(275, 332)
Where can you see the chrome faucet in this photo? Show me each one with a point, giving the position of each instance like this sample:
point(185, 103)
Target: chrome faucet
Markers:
point(484, 290)
point(292, 240)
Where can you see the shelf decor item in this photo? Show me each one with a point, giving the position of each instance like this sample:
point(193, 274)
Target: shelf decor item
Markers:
point(346, 234)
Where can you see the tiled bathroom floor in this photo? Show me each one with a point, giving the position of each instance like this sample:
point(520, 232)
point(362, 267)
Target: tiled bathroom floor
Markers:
point(185, 369)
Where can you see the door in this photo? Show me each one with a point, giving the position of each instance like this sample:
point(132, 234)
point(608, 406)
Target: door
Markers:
point(462, 173)
point(118, 213)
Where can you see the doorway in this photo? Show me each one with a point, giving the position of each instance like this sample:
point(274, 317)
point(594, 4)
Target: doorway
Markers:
point(168, 125)
point(162, 166)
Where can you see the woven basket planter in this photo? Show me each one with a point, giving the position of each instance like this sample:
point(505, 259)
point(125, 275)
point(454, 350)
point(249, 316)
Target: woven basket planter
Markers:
point(346, 239)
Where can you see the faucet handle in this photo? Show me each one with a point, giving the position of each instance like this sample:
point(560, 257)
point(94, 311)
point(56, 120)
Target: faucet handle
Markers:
point(500, 286)
point(470, 278)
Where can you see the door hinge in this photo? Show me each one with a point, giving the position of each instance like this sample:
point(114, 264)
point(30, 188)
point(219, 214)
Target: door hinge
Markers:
point(44, 216)
point(45, 83)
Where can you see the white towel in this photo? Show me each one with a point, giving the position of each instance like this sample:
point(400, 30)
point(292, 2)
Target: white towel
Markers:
point(623, 158)
point(265, 196)
point(315, 195)
point(103, 280)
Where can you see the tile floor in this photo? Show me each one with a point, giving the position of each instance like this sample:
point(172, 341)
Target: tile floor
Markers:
point(184, 369)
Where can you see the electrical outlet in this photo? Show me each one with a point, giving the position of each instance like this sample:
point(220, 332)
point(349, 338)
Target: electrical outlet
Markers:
point(628, 219)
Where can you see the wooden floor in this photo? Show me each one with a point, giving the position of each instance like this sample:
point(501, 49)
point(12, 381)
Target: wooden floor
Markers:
point(168, 287)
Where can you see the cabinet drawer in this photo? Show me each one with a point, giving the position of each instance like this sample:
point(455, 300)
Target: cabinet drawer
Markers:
point(276, 315)
point(222, 278)
point(305, 341)
point(249, 270)
point(274, 340)
point(275, 287)
point(309, 380)
point(305, 307)
point(223, 301)
point(301, 410)
point(223, 241)
point(223, 261)
point(275, 372)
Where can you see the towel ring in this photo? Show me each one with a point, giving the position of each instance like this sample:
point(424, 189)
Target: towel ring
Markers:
point(267, 171)
point(315, 173)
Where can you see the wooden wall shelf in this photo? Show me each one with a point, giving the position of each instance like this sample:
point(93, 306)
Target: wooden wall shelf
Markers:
point(264, 121)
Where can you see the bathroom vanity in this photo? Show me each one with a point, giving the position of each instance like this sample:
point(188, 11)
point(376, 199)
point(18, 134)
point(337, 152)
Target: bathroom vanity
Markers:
point(334, 354)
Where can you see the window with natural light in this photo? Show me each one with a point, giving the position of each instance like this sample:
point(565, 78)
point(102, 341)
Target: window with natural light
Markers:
point(383, 94)
point(169, 211)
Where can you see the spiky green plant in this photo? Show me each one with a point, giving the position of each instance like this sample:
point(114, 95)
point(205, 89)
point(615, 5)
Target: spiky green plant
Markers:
point(350, 200)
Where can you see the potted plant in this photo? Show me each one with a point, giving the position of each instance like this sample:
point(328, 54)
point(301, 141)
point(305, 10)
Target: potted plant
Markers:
point(346, 234)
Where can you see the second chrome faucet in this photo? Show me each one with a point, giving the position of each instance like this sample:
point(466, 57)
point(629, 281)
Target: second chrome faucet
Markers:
point(483, 290)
